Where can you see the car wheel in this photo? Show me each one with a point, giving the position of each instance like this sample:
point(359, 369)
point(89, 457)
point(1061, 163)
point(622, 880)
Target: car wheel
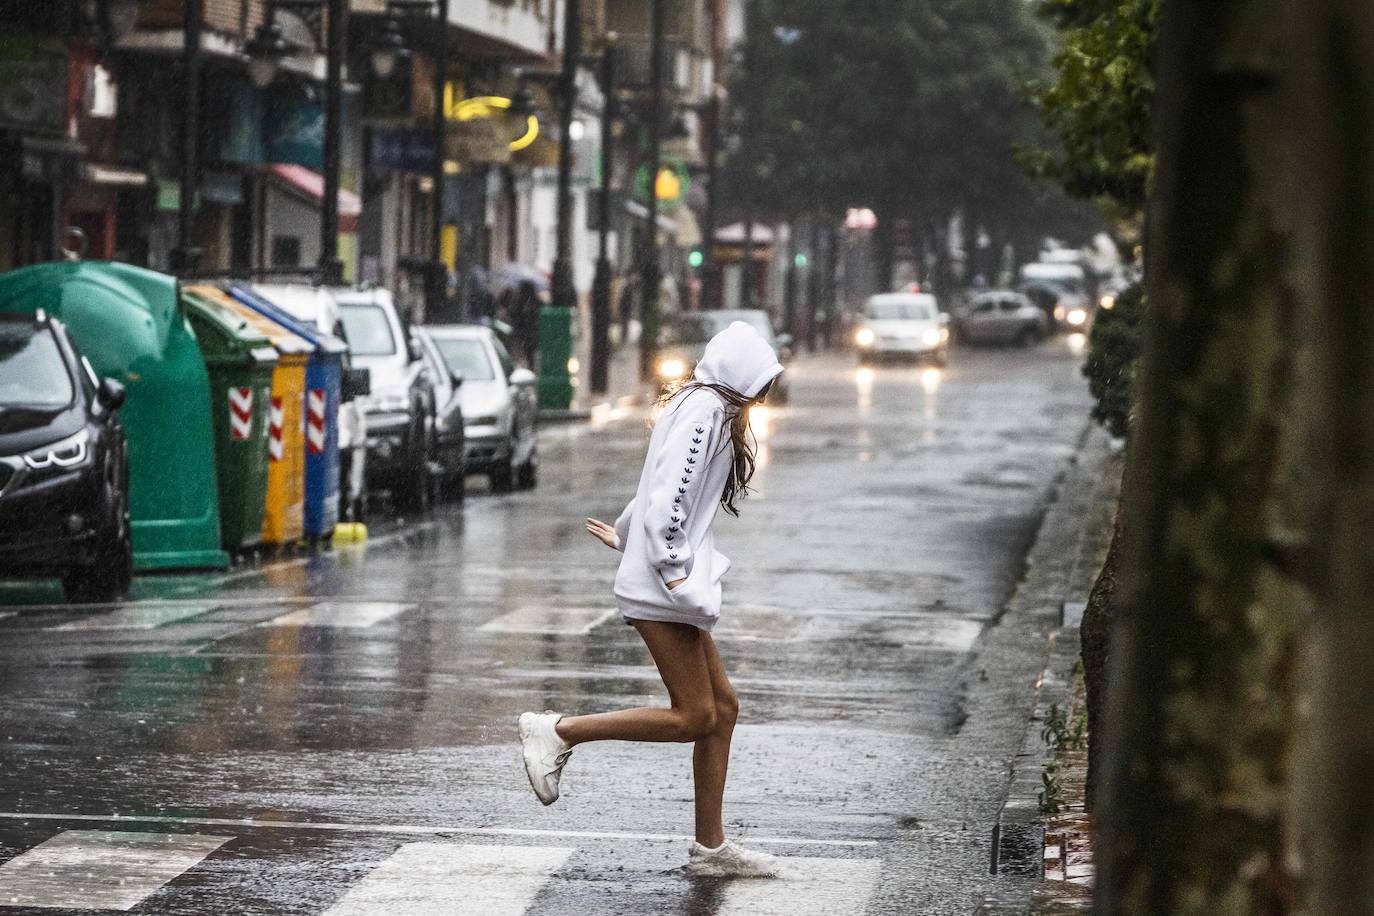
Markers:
point(412, 489)
point(1027, 338)
point(455, 486)
point(941, 359)
point(527, 475)
point(502, 478)
point(109, 577)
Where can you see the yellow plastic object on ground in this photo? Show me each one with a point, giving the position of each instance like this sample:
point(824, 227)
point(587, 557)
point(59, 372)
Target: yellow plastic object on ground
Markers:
point(284, 519)
point(349, 533)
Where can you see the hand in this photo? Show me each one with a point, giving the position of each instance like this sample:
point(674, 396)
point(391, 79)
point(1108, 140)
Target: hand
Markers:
point(675, 583)
point(603, 533)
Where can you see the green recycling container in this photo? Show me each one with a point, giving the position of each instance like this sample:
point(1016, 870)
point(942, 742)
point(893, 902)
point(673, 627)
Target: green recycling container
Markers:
point(241, 361)
point(131, 324)
point(555, 352)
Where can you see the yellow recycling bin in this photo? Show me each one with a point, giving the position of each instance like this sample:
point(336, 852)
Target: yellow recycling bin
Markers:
point(284, 519)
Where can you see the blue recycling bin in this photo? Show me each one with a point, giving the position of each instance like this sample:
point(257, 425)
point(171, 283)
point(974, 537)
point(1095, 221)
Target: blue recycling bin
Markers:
point(319, 413)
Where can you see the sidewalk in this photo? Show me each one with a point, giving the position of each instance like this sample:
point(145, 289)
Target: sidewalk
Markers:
point(1047, 607)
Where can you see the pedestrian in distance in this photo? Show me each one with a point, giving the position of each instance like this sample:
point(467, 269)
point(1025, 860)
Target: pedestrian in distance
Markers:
point(700, 460)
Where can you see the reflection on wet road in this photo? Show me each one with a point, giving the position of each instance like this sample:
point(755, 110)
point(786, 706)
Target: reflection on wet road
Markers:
point(335, 733)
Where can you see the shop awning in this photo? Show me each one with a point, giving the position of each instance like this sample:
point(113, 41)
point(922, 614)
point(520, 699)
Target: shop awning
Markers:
point(310, 185)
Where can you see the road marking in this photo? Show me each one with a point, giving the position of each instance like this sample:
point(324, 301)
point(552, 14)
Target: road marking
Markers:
point(439, 879)
point(354, 616)
point(136, 617)
point(404, 829)
point(538, 619)
point(100, 870)
point(807, 887)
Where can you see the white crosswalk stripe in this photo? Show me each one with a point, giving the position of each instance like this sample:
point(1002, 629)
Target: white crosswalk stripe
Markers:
point(354, 615)
point(100, 870)
point(534, 619)
point(808, 887)
point(446, 879)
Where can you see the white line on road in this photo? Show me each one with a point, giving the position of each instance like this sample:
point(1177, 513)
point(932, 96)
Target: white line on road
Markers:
point(99, 870)
point(445, 879)
point(538, 619)
point(356, 616)
point(137, 617)
point(404, 829)
point(807, 887)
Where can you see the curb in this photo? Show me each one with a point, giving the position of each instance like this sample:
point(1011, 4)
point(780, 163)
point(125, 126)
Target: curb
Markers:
point(1075, 525)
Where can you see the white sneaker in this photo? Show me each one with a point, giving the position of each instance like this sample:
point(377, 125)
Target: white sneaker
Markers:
point(730, 860)
point(545, 753)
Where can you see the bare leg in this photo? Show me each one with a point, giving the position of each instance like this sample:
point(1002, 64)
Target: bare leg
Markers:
point(678, 652)
point(711, 755)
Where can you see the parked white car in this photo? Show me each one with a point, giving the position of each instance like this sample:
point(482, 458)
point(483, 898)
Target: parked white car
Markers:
point(500, 413)
point(906, 325)
point(401, 436)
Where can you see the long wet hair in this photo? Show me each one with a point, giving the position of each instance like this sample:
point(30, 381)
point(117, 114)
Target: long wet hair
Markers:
point(742, 439)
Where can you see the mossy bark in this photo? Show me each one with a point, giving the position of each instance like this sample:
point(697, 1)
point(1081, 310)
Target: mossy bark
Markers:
point(1330, 108)
point(1200, 713)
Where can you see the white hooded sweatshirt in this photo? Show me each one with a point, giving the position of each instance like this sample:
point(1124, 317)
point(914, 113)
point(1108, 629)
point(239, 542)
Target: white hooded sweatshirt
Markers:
point(665, 531)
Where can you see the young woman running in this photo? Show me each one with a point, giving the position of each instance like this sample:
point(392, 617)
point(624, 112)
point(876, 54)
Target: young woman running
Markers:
point(668, 588)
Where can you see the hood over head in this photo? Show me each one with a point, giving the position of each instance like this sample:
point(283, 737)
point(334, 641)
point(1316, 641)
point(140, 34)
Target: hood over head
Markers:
point(739, 358)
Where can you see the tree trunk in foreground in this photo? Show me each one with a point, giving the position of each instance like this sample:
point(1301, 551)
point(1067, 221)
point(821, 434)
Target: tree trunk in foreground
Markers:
point(1331, 104)
point(1093, 640)
point(1191, 809)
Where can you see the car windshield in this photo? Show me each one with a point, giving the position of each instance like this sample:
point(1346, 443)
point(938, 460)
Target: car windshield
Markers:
point(467, 357)
point(367, 330)
point(32, 372)
point(700, 328)
point(911, 310)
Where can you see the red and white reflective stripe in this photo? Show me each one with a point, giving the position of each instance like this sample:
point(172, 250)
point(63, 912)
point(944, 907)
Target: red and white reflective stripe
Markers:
point(314, 421)
point(274, 430)
point(241, 413)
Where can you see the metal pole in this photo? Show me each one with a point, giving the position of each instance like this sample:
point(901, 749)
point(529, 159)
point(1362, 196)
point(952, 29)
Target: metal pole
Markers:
point(436, 278)
point(601, 284)
point(649, 279)
point(186, 256)
point(709, 267)
point(331, 268)
point(564, 293)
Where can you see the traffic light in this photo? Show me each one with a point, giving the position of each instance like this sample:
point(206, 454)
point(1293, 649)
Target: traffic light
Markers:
point(799, 259)
point(695, 258)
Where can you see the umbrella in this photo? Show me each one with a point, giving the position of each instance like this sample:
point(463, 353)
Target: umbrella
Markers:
point(512, 276)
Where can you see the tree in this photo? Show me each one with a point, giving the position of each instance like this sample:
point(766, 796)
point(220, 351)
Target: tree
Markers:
point(914, 105)
point(1199, 736)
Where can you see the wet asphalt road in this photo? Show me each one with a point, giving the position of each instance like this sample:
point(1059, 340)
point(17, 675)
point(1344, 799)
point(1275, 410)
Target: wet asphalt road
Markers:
point(336, 733)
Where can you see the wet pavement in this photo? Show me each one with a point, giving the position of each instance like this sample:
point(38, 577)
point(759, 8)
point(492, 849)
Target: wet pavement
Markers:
point(336, 733)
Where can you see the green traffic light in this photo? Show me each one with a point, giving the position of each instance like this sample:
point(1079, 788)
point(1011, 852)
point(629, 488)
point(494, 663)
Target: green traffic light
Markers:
point(799, 259)
point(695, 258)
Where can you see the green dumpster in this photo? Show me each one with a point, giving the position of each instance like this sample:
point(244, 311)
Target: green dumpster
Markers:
point(241, 361)
point(130, 323)
point(555, 352)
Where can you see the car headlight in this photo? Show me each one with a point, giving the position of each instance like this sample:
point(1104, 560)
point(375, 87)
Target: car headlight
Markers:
point(68, 453)
point(931, 338)
point(1108, 301)
point(864, 337)
point(672, 369)
point(1059, 313)
point(1077, 317)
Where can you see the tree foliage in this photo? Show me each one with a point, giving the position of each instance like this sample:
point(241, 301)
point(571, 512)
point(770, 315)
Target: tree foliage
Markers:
point(910, 107)
point(1099, 104)
point(1113, 352)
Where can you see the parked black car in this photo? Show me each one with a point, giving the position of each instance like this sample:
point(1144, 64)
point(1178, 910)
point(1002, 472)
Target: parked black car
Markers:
point(64, 472)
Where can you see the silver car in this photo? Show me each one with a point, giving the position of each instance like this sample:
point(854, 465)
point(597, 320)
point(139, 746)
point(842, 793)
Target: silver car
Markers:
point(1002, 318)
point(500, 412)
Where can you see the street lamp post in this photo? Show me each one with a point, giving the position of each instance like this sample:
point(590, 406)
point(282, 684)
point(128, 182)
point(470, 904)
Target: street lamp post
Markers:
point(186, 256)
point(564, 293)
point(436, 282)
point(649, 278)
point(601, 284)
point(331, 268)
